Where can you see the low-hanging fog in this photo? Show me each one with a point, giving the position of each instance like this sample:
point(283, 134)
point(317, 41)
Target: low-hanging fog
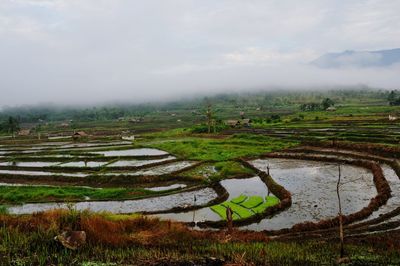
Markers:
point(89, 51)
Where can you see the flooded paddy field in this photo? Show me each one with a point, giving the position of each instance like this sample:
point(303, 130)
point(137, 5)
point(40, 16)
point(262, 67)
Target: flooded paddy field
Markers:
point(313, 189)
point(312, 184)
point(132, 152)
point(155, 204)
point(137, 163)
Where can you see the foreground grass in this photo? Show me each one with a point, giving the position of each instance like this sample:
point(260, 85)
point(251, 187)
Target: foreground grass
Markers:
point(22, 194)
point(28, 240)
point(219, 149)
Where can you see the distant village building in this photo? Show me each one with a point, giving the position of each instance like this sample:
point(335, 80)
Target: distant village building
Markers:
point(24, 132)
point(331, 109)
point(79, 135)
point(135, 120)
point(232, 123)
point(64, 124)
point(238, 123)
point(246, 122)
point(392, 118)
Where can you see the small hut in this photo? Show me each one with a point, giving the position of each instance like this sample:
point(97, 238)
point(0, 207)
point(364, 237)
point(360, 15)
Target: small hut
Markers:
point(79, 135)
point(246, 122)
point(331, 109)
point(232, 123)
point(24, 132)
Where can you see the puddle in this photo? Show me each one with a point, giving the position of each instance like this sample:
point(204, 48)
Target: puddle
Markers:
point(174, 186)
point(182, 199)
point(136, 163)
point(235, 187)
point(83, 164)
point(157, 170)
point(39, 173)
point(29, 164)
point(133, 152)
point(313, 188)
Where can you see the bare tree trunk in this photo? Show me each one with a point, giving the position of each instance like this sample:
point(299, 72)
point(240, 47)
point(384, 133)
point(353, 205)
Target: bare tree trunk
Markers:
point(341, 234)
point(209, 117)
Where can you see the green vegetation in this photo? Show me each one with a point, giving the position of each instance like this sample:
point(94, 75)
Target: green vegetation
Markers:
point(244, 207)
point(269, 201)
point(239, 199)
point(22, 194)
point(252, 202)
point(220, 149)
point(3, 209)
point(241, 212)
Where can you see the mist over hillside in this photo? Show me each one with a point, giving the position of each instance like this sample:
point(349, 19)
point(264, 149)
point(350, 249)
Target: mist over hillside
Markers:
point(380, 58)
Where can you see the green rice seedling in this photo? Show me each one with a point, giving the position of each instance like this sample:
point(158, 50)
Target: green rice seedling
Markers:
point(252, 202)
point(220, 210)
point(242, 212)
point(239, 199)
point(269, 201)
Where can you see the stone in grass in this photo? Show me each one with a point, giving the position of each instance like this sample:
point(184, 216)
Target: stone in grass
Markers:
point(71, 239)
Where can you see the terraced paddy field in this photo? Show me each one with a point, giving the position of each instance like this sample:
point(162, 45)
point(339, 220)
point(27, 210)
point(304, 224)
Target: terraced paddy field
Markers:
point(287, 192)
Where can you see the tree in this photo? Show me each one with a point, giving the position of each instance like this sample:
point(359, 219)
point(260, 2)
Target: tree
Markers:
point(392, 96)
point(209, 117)
point(38, 130)
point(13, 125)
point(326, 103)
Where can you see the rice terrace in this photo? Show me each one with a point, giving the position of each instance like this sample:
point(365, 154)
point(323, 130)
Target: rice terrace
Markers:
point(210, 193)
point(199, 133)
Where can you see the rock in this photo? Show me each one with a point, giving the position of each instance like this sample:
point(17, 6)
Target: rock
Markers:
point(213, 261)
point(71, 239)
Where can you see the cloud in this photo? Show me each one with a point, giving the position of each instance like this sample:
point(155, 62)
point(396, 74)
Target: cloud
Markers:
point(69, 51)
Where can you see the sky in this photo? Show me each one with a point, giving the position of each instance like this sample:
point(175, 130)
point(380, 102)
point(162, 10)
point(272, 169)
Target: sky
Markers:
point(90, 51)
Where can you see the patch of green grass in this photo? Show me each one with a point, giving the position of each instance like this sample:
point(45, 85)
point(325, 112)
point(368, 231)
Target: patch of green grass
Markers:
point(221, 149)
point(118, 217)
point(3, 209)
